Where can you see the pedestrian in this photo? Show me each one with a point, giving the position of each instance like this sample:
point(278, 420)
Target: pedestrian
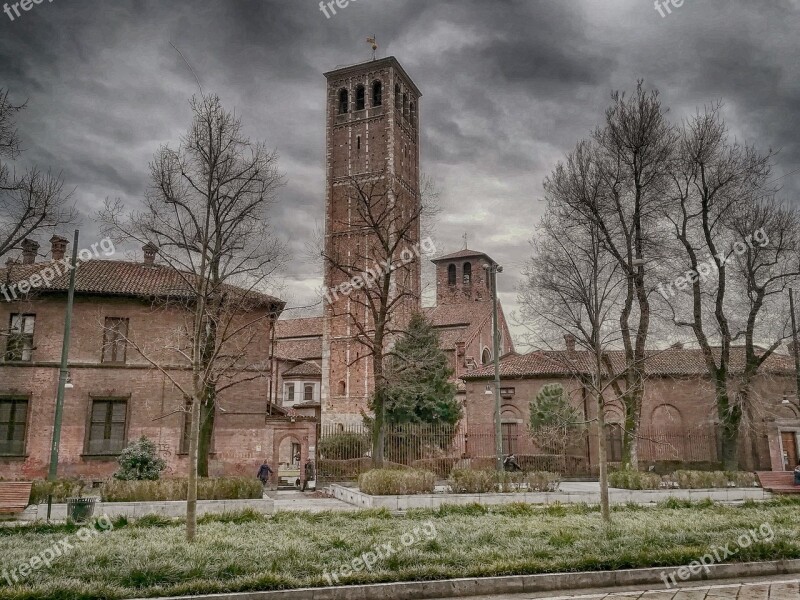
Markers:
point(264, 474)
point(797, 475)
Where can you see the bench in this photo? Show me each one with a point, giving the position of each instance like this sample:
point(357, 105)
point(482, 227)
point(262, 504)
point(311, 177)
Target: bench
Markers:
point(778, 482)
point(14, 496)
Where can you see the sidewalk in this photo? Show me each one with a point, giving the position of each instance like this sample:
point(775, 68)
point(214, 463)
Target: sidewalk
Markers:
point(763, 588)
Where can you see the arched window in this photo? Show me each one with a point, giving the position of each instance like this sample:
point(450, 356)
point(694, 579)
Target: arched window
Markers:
point(451, 275)
point(467, 273)
point(360, 97)
point(413, 115)
point(342, 388)
point(344, 100)
point(308, 392)
point(398, 98)
point(405, 106)
point(377, 93)
point(486, 357)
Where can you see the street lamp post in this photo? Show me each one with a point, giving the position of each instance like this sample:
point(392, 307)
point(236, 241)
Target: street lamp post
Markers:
point(492, 271)
point(63, 373)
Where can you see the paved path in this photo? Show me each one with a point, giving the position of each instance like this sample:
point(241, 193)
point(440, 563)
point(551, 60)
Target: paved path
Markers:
point(289, 500)
point(765, 588)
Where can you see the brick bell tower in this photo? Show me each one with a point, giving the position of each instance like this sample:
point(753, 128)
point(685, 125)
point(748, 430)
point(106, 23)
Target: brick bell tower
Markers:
point(372, 135)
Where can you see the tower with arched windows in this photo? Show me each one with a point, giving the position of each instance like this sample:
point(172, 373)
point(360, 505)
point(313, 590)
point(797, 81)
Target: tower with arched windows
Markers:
point(371, 136)
point(460, 277)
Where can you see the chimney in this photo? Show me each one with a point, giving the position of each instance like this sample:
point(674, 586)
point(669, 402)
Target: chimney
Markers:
point(569, 339)
point(58, 247)
point(150, 250)
point(29, 250)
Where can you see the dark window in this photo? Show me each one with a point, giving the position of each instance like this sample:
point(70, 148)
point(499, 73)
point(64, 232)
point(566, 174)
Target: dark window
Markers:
point(20, 337)
point(360, 97)
point(614, 442)
point(115, 340)
point(308, 393)
point(13, 420)
point(467, 273)
point(344, 100)
point(342, 388)
point(289, 396)
point(398, 98)
point(413, 115)
point(405, 106)
point(507, 391)
point(377, 93)
point(486, 358)
point(358, 142)
point(451, 275)
point(107, 426)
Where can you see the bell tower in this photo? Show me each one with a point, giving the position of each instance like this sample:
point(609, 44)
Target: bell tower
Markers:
point(372, 139)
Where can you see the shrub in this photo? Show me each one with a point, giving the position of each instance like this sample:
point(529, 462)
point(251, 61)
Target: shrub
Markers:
point(473, 481)
point(689, 480)
point(483, 481)
point(349, 469)
point(343, 446)
point(61, 489)
point(634, 480)
point(222, 488)
point(384, 482)
point(139, 461)
point(440, 466)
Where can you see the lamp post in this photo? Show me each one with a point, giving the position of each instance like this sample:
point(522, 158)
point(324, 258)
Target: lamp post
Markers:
point(63, 373)
point(492, 271)
point(795, 349)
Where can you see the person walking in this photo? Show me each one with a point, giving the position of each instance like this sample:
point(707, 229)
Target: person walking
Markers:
point(264, 474)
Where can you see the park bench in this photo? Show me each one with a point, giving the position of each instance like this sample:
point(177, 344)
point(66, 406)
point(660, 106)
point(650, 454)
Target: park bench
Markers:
point(14, 496)
point(778, 482)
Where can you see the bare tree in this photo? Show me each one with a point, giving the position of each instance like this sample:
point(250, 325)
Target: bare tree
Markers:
point(377, 274)
point(718, 201)
point(574, 286)
point(206, 213)
point(31, 201)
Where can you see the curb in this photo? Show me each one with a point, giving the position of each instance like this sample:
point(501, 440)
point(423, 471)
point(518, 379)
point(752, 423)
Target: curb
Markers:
point(512, 584)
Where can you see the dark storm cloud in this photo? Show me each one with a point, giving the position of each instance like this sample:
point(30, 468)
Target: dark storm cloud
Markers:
point(509, 86)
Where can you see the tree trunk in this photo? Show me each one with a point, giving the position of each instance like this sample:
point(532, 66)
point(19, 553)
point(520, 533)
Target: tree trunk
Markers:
point(630, 433)
point(207, 416)
point(730, 418)
point(191, 493)
point(602, 459)
point(378, 427)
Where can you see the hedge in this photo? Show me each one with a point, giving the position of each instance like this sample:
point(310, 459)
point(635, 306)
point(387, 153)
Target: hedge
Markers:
point(389, 482)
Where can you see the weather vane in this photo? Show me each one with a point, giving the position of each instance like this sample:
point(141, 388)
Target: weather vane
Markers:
point(373, 42)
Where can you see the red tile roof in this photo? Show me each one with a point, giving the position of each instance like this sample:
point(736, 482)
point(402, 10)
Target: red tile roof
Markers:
point(296, 328)
point(671, 362)
point(458, 322)
point(304, 369)
point(111, 278)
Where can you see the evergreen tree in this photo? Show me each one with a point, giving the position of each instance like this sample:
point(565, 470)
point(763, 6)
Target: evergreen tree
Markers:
point(420, 390)
point(553, 420)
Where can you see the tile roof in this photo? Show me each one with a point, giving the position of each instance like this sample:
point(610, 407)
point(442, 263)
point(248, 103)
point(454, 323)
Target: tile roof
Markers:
point(461, 254)
point(296, 328)
point(670, 362)
point(459, 322)
point(304, 369)
point(299, 350)
point(111, 278)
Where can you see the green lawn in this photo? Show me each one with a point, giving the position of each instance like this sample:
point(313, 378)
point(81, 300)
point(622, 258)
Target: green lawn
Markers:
point(297, 549)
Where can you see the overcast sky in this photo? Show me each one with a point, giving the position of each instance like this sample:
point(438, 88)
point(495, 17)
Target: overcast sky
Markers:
point(508, 87)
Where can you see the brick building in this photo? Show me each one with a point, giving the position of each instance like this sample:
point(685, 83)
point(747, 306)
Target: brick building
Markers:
point(121, 315)
point(679, 420)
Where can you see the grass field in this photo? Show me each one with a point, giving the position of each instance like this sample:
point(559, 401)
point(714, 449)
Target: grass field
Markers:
point(248, 552)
